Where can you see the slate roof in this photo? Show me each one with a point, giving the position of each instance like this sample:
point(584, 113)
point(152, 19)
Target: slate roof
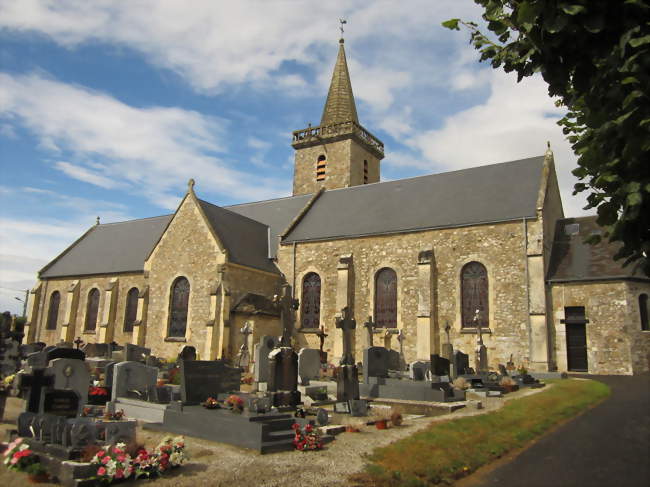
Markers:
point(277, 214)
point(498, 192)
point(574, 260)
point(109, 248)
point(245, 239)
point(340, 106)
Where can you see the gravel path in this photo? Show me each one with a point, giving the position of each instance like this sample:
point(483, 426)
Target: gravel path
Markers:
point(219, 465)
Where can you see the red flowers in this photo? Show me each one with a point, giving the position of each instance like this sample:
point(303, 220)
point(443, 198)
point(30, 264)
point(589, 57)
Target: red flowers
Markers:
point(308, 440)
point(98, 391)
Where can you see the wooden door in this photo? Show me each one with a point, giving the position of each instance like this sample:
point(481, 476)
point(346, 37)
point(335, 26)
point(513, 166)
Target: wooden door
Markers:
point(576, 347)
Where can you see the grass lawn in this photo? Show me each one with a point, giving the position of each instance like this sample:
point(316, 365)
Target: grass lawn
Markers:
point(453, 449)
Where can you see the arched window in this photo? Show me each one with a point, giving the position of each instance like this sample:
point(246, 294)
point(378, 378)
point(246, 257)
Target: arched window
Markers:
point(179, 303)
point(310, 306)
point(53, 311)
point(131, 311)
point(474, 295)
point(386, 298)
point(91, 309)
point(321, 166)
point(643, 312)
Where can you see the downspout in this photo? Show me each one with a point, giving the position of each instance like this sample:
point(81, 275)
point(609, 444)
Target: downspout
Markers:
point(527, 278)
point(293, 271)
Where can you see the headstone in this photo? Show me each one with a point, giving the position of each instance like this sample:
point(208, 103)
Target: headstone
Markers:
point(108, 373)
point(308, 365)
point(418, 370)
point(482, 359)
point(201, 379)
point(439, 365)
point(70, 374)
point(259, 405)
point(82, 434)
point(358, 407)
point(347, 383)
point(134, 380)
point(322, 417)
point(461, 362)
point(33, 384)
point(342, 407)
point(187, 353)
point(135, 353)
point(261, 357)
point(394, 360)
point(283, 373)
point(65, 403)
point(97, 350)
point(375, 362)
point(43, 358)
point(24, 422)
point(119, 432)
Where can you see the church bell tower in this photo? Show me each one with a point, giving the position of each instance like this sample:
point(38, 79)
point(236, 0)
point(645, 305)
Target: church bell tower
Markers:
point(338, 153)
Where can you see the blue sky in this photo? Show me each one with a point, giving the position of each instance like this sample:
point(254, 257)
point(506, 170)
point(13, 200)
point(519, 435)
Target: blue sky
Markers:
point(108, 108)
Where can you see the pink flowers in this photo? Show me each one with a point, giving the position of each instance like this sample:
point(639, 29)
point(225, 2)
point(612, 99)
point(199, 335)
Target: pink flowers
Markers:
point(101, 471)
point(307, 440)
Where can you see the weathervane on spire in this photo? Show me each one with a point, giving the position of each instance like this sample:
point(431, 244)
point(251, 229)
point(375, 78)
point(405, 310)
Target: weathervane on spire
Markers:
point(342, 22)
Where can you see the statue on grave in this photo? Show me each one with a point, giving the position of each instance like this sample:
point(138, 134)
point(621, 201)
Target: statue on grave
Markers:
point(321, 336)
point(244, 355)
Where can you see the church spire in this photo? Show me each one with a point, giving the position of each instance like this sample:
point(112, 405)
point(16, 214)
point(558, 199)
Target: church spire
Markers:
point(340, 106)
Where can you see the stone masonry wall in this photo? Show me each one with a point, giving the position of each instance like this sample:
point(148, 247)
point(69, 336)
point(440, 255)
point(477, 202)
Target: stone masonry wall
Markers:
point(608, 339)
point(640, 340)
point(188, 249)
point(86, 284)
point(344, 166)
point(499, 247)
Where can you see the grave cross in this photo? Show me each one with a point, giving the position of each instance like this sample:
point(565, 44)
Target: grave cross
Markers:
point(370, 328)
point(287, 305)
point(321, 336)
point(478, 327)
point(78, 342)
point(347, 324)
point(244, 356)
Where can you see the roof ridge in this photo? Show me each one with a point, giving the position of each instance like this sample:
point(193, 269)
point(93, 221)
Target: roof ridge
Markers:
point(134, 220)
point(266, 201)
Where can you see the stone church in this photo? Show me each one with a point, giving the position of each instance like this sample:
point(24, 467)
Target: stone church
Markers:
point(432, 258)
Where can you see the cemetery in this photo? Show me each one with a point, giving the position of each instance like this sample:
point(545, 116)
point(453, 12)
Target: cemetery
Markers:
point(84, 403)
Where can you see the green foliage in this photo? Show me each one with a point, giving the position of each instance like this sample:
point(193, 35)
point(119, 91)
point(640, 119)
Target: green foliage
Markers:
point(595, 57)
point(447, 451)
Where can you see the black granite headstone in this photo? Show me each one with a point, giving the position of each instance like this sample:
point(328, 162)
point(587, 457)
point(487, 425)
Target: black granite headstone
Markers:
point(283, 370)
point(188, 353)
point(201, 379)
point(347, 383)
point(462, 362)
point(375, 362)
point(439, 365)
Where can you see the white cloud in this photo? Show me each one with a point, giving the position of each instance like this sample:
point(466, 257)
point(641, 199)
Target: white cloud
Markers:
point(515, 122)
point(150, 151)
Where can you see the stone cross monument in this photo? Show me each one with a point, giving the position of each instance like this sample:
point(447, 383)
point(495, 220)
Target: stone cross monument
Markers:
point(370, 328)
point(347, 324)
point(244, 353)
point(287, 306)
point(400, 338)
point(322, 336)
point(481, 349)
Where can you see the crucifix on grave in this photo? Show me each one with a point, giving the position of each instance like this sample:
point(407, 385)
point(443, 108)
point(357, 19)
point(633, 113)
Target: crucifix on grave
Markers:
point(321, 336)
point(78, 342)
point(287, 306)
point(347, 324)
point(244, 353)
point(370, 328)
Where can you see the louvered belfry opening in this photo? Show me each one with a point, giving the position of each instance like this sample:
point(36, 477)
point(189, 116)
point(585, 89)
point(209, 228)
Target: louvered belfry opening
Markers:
point(386, 298)
point(310, 305)
point(92, 309)
point(180, 299)
point(321, 167)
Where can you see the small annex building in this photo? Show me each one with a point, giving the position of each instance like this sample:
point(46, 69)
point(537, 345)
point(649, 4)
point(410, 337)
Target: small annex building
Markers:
point(434, 256)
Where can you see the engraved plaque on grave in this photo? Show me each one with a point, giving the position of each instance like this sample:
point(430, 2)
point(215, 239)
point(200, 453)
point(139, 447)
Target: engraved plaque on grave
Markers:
point(201, 379)
point(61, 403)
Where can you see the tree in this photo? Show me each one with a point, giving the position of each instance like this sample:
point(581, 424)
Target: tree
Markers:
point(595, 57)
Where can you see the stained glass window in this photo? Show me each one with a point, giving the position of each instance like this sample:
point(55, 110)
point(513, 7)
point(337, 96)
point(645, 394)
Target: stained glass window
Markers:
point(386, 298)
point(92, 309)
point(310, 306)
point(474, 295)
point(131, 311)
point(53, 311)
point(180, 298)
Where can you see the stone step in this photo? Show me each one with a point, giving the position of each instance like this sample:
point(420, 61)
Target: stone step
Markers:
point(279, 424)
point(276, 446)
point(279, 435)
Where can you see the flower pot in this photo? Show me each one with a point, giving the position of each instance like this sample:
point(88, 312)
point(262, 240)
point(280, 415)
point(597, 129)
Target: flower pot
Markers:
point(351, 429)
point(382, 424)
